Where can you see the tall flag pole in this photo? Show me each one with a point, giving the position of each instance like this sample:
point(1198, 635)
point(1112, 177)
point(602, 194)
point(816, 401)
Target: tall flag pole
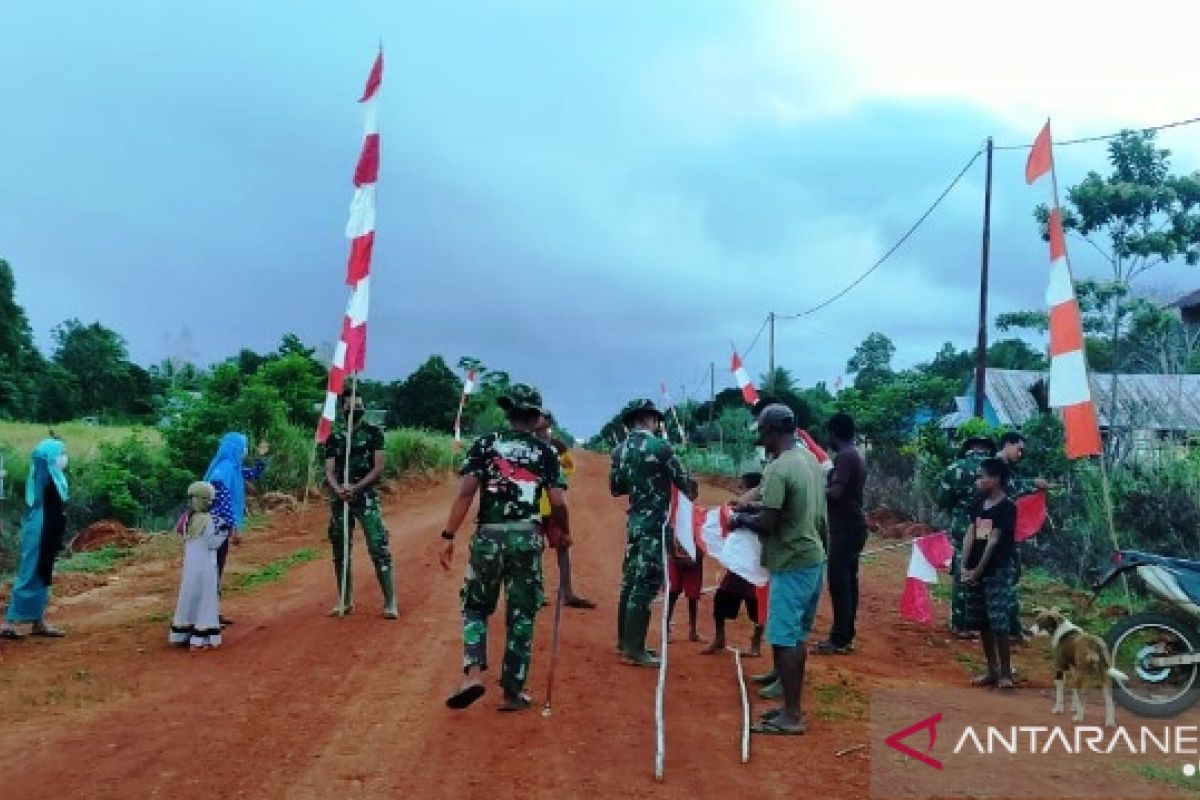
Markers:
point(1070, 386)
point(675, 414)
point(468, 388)
point(1070, 389)
point(350, 354)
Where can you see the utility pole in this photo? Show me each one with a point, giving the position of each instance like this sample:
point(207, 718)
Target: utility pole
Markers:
point(981, 339)
point(771, 356)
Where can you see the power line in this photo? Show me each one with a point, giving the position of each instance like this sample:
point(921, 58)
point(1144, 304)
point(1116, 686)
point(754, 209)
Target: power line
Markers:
point(1106, 136)
point(746, 353)
point(891, 250)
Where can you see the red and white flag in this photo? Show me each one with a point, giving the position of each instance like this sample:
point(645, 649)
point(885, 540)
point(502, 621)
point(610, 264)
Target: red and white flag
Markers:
point(350, 355)
point(700, 529)
point(749, 393)
point(469, 386)
point(929, 554)
point(1070, 389)
point(819, 452)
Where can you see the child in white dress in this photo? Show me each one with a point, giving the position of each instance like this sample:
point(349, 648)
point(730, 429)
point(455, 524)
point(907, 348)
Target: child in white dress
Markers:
point(197, 614)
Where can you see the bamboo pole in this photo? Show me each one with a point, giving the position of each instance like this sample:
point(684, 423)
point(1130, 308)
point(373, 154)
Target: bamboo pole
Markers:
point(342, 594)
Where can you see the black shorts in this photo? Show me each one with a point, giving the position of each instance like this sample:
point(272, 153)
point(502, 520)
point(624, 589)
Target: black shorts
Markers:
point(727, 604)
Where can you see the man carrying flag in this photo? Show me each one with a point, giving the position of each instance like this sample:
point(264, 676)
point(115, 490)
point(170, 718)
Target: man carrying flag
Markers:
point(644, 468)
point(366, 455)
point(508, 469)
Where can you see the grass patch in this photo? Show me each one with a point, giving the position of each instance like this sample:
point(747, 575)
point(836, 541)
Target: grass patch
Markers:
point(1039, 588)
point(410, 451)
point(971, 663)
point(272, 572)
point(95, 562)
point(158, 616)
point(840, 702)
point(1165, 775)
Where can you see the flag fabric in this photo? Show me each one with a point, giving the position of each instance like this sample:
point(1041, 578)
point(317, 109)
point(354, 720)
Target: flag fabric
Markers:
point(1031, 515)
point(706, 530)
point(929, 554)
point(350, 354)
point(469, 383)
point(815, 449)
point(1070, 388)
point(749, 393)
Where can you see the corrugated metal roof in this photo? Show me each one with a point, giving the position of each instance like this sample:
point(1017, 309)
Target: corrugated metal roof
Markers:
point(1187, 301)
point(1145, 402)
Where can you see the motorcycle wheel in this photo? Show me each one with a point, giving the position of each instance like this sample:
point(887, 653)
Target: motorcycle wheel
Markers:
point(1154, 691)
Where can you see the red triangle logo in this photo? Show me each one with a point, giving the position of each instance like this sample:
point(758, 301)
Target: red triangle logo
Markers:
point(895, 741)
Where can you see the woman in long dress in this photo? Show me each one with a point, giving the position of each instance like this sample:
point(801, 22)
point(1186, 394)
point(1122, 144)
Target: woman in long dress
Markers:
point(197, 621)
point(42, 533)
point(228, 476)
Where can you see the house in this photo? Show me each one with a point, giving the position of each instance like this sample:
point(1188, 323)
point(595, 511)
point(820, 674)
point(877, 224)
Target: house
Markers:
point(1154, 407)
point(1188, 308)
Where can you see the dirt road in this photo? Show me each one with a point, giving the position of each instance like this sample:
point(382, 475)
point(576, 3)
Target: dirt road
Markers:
point(298, 705)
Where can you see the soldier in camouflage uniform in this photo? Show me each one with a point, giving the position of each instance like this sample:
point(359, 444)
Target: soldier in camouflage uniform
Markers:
point(366, 467)
point(1012, 450)
point(509, 469)
point(644, 467)
point(957, 494)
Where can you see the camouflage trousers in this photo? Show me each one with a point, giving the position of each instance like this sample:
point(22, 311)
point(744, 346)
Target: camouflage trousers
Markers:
point(364, 509)
point(642, 571)
point(958, 597)
point(508, 556)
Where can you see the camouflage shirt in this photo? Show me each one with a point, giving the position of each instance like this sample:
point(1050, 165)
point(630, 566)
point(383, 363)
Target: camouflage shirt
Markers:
point(368, 439)
point(958, 491)
point(1018, 486)
point(645, 467)
point(513, 469)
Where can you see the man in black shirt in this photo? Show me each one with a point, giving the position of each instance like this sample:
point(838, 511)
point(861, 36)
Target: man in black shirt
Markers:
point(847, 533)
point(988, 573)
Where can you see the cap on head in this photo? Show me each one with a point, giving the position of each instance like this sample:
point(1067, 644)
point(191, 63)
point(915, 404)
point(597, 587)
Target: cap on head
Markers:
point(521, 397)
point(637, 408)
point(776, 418)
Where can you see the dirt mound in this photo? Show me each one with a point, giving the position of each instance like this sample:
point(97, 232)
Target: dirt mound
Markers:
point(883, 518)
point(906, 530)
point(279, 501)
point(105, 532)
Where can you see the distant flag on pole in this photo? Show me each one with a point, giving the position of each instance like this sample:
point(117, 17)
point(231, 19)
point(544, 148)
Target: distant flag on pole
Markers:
point(1070, 389)
point(350, 354)
point(469, 386)
point(749, 393)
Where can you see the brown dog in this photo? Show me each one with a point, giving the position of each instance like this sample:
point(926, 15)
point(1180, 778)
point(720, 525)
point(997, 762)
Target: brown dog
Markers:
point(1077, 655)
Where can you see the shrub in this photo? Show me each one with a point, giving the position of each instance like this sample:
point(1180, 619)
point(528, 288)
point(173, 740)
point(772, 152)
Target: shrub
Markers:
point(130, 480)
point(411, 450)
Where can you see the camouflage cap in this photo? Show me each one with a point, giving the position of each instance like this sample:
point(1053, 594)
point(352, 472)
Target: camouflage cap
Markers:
point(521, 397)
point(639, 406)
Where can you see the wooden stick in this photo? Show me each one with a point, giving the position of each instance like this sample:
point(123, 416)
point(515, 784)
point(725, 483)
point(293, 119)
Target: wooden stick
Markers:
point(342, 595)
point(741, 676)
point(558, 605)
point(660, 722)
point(850, 750)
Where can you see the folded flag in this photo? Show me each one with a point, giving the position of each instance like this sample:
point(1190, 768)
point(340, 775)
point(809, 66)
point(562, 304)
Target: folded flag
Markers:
point(929, 554)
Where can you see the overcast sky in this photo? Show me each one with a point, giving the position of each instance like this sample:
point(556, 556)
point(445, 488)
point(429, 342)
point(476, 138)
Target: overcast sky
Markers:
point(595, 196)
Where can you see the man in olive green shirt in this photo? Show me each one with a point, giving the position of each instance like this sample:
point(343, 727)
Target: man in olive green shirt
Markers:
point(792, 525)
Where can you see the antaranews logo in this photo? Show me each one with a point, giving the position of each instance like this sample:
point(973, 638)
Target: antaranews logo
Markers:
point(896, 740)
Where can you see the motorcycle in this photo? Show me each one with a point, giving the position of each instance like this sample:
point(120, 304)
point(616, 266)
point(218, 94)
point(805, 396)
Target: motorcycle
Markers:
point(1160, 652)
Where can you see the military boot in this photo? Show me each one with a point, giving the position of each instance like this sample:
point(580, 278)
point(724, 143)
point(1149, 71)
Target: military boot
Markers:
point(637, 622)
point(387, 585)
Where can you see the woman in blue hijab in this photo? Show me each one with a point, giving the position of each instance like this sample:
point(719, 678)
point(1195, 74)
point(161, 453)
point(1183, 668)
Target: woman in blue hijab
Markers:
point(42, 533)
point(228, 477)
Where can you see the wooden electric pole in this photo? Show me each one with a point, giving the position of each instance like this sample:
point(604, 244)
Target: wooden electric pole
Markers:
point(981, 339)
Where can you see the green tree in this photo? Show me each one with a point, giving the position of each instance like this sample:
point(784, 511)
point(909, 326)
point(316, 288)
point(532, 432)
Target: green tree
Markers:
point(98, 360)
point(298, 381)
point(871, 364)
point(429, 396)
point(20, 361)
